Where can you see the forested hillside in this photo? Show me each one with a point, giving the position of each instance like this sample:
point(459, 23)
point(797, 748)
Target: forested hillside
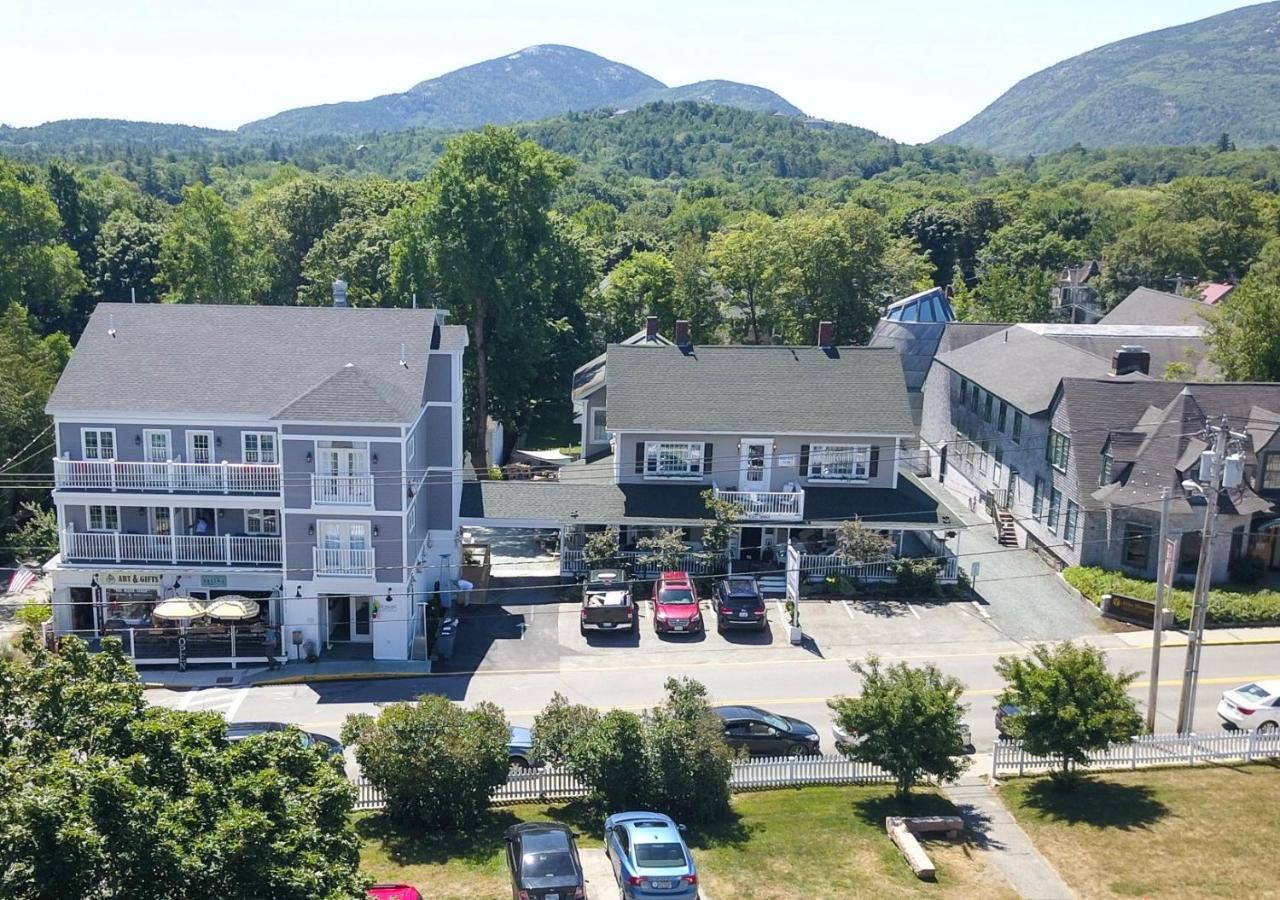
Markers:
point(1181, 85)
point(752, 226)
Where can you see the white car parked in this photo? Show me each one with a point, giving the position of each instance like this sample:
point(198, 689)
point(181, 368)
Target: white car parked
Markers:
point(1254, 706)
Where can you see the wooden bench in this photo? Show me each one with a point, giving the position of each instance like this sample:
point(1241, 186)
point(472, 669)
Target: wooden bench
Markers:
point(903, 831)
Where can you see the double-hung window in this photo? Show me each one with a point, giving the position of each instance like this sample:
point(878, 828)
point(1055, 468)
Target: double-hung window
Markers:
point(410, 452)
point(1003, 417)
point(1055, 508)
point(964, 391)
point(1037, 499)
point(975, 398)
point(259, 447)
point(1271, 472)
point(1017, 427)
point(672, 459)
point(1104, 478)
point(104, 518)
point(98, 443)
point(1057, 449)
point(840, 462)
point(988, 406)
point(262, 521)
point(599, 434)
point(1069, 524)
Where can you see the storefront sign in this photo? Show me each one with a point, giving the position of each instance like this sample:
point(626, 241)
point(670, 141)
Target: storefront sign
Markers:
point(213, 581)
point(145, 578)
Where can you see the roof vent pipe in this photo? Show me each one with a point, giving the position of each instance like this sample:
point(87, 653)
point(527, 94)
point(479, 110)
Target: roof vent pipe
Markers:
point(826, 334)
point(339, 293)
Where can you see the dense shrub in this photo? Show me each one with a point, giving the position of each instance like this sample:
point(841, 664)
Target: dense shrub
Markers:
point(435, 763)
point(918, 577)
point(1230, 605)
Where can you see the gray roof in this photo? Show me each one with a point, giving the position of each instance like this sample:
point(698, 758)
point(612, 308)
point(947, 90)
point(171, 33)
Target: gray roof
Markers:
point(1024, 363)
point(551, 503)
point(764, 390)
point(591, 375)
point(1148, 307)
point(257, 362)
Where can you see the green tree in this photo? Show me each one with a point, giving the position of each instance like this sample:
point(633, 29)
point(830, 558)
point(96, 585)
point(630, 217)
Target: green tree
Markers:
point(1150, 254)
point(601, 548)
point(1007, 294)
point(105, 796)
point(37, 268)
point(31, 366)
point(694, 292)
point(725, 515)
point(435, 763)
point(746, 263)
point(557, 728)
point(860, 544)
point(642, 285)
point(685, 752)
point(605, 752)
point(485, 242)
point(1244, 332)
point(1069, 704)
point(907, 721)
point(127, 259)
point(664, 549)
point(36, 538)
point(284, 222)
point(204, 255)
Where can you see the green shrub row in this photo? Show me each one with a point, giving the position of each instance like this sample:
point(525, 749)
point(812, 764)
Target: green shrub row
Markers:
point(1228, 605)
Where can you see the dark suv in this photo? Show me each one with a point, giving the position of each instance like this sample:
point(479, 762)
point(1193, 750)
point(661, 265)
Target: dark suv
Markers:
point(739, 604)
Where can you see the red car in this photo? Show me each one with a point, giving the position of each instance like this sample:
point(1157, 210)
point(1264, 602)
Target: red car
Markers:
point(394, 892)
point(675, 605)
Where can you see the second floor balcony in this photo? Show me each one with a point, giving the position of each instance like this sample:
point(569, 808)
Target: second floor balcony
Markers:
point(166, 477)
point(767, 506)
point(352, 562)
point(342, 490)
point(169, 549)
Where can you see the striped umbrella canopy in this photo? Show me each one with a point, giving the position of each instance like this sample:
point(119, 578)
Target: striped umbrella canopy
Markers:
point(232, 607)
point(179, 608)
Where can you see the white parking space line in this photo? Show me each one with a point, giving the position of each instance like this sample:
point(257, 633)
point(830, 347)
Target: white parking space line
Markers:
point(913, 611)
point(978, 607)
point(847, 608)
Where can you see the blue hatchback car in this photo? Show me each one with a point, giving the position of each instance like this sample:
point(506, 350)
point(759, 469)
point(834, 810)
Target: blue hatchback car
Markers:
point(649, 857)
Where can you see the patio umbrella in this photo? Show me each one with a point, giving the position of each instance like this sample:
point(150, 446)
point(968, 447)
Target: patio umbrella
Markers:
point(181, 608)
point(232, 607)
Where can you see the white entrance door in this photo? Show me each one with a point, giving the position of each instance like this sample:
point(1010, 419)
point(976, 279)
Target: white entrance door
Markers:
point(754, 465)
point(157, 452)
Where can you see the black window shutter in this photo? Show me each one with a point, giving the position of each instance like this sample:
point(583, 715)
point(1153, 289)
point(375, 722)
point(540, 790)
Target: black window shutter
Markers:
point(639, 457)
point(804, 460)
point(873, 467)
point(706, 459)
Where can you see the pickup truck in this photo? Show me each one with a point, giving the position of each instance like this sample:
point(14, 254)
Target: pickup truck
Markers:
point(607, 603)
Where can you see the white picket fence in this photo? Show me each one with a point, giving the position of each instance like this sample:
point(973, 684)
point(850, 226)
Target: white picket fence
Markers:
point(749, 775)
point(1010, 758)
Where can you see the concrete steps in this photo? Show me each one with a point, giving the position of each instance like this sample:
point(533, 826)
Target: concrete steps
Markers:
point(1006, 531)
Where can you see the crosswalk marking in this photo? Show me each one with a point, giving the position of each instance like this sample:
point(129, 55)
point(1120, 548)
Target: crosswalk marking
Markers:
point(220, 700)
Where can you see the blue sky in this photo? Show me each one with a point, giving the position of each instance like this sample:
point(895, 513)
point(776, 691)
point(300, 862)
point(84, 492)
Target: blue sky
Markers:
point(910, 69)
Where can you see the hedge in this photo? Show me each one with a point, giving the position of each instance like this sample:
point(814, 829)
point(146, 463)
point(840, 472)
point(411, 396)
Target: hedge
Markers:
point(1229, 605)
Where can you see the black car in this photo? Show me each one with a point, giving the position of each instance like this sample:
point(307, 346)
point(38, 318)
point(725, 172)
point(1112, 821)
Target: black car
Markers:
point(543, 860)
point(762, 733)
point(238, 731)
point(739, 604)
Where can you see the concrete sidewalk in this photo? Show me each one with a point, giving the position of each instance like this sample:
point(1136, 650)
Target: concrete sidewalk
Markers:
point(1003, 840)
point(292, 673)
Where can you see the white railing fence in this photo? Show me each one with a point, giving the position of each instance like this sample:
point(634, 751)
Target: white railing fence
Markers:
point(640, 564)
point(344, 561)
point(1011, 758)
point(782, 506)
point(816, 566)
point(115, 546)
point(748, 775)
point(342, 490)
point(170, 476)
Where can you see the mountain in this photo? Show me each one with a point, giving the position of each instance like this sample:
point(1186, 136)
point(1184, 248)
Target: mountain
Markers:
point(1182, 85)
point(71, 131)
point(721, 93)
point(534, 83)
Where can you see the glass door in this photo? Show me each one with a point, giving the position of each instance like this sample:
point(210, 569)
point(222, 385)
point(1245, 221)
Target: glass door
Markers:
point(753, 474)
point(360, 609)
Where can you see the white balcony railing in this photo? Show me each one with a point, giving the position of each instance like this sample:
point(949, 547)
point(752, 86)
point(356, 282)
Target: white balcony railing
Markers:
point(770, 506)
point(171, 477)
point(348, 561)
point(201, 549)
point(342, 490)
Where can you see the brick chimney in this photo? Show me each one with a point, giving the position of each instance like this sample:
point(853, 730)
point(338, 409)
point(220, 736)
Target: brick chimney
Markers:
point(682, 333)
point(1129, 359)
point(339, 293)
point(651, 327)
point(826, 334)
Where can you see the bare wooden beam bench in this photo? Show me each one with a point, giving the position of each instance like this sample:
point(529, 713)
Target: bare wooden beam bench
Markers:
point(903, 830)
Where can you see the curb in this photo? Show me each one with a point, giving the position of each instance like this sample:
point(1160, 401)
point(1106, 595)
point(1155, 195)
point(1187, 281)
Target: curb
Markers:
point(340, 676)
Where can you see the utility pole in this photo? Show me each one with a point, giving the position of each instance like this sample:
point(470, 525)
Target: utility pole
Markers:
point(1214, 466)
point(1157, 626)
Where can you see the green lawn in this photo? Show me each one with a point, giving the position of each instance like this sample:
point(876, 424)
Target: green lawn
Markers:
point(1169, 833)
point(1228, 605)
point(811, 842)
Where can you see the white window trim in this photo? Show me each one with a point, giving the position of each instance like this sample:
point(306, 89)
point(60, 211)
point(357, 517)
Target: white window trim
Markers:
point(191, 445)
point(275, 447)
point(262, 515)
point(854, 450)
point(103, 529)
point(147, 434)
point(410, 452)
point(599, 434)
point(654, 448)
point(153, 513)
point(368, 532)
point(115, 445)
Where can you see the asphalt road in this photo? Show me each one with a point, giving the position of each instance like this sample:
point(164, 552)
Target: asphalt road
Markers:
point(781, 681)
